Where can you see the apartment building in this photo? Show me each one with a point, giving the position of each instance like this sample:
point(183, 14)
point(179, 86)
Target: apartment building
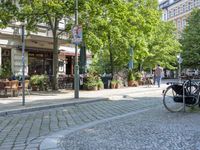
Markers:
point(178, 11)
point(38, 50)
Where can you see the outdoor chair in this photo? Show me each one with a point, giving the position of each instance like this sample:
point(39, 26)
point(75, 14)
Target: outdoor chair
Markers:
point(26, 87)
point(2, 86)
point(12, 86)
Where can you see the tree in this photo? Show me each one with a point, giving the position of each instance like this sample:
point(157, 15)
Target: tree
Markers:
point(105, 28)
point(50, 12)
point(112, 27)
point(7, 9)
point(190, 41)
point(163, 47)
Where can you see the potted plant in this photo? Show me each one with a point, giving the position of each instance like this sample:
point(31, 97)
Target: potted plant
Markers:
point(91, 83)
point(5, 71)
point(35, 82)
point(100, 84)
point(38, 82)
point(113, 83)
point(131, 79)
point(118, 83)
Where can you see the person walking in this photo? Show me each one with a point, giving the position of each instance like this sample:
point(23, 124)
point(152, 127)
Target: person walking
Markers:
point(158, 74)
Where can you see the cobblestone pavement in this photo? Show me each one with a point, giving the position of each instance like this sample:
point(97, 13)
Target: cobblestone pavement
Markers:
point(155, 129)
point(26, 131)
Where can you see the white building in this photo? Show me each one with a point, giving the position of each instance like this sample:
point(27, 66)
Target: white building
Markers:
point(38, 50)
point(178, 11)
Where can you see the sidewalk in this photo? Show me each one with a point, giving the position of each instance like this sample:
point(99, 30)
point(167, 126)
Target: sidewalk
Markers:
point(45, 100)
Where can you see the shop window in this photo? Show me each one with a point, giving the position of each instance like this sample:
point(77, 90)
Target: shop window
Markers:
point(61, 66)
point(39, 55)
point(40, 63)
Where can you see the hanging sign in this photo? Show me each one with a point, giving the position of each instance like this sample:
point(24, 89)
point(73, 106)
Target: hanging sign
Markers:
point(77, 34)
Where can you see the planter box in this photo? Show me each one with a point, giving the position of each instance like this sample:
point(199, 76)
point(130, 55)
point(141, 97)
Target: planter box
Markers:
point(113, 86)
point(92, 88)
point(133, 83)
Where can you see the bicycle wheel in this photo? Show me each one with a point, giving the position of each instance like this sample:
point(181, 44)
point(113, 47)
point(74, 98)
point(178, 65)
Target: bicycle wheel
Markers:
point(172, 101)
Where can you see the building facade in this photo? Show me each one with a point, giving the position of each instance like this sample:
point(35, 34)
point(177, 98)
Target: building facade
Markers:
point(178, 11)
point(38, 51)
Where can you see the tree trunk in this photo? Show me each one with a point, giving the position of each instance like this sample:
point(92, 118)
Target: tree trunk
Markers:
point(55, 61)
point(111, 55)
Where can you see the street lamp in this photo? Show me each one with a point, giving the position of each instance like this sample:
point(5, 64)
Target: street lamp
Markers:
point(23, 63)
point(22, 25)
point(76, 69)
point(180, 60)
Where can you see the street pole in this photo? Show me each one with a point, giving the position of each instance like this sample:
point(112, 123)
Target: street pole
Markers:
point(76, 69)
point(179, 67)
point(179, 72)
point(23, 66)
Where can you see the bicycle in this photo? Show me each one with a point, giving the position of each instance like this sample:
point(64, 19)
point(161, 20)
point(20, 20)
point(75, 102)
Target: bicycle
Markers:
point(177, 96)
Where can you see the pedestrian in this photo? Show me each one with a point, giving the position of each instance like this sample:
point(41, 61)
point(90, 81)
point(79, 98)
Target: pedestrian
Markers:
point(158, 74)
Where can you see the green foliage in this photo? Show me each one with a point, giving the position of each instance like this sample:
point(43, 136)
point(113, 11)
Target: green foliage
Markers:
point(5, 70)
point(191, 41)
point(91, 81)
point(111, 28)
point(113, 81)
point(100, 84)
point(50, 12)
point(138, 76)
point(38, 80)
point(8, 10)
point(131, 76)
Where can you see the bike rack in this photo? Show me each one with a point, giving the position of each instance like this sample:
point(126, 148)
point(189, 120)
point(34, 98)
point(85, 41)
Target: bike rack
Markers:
point(184, 94)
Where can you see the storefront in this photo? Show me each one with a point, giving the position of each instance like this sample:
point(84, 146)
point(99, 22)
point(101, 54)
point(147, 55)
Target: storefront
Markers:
point(40, 62)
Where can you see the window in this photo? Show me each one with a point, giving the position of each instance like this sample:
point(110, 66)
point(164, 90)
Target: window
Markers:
point(179, 10)
point(179, 24)
point(165, 16)
point(61, 66)
point(194, 3)
point(198, 3)
point(174, 12)
point(189, 5)
point(40, 63)
point(183, 22)
point(183, 8)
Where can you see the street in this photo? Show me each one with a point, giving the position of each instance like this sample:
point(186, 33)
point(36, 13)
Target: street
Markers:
point(135, 120)
point(28, 130)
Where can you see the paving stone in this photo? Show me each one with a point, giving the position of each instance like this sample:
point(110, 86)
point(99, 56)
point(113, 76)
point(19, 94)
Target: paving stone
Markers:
point(29, 129)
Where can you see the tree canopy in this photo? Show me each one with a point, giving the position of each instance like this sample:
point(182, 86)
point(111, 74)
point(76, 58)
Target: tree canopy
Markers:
point(190, 41)
point(110, 29)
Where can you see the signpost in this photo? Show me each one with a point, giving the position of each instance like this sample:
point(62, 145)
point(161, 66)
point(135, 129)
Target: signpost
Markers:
point(23, 66)
point(77, 39)
point(180, 60)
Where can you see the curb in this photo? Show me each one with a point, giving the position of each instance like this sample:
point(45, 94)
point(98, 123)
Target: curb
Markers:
point(38, 108)
point(52, 141)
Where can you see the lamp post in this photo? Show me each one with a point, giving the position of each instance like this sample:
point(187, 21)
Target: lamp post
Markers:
point(180, 60)
point(23, 64)
point(76, 69)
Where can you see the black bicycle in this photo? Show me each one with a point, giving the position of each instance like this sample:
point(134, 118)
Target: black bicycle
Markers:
point(178, 95)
